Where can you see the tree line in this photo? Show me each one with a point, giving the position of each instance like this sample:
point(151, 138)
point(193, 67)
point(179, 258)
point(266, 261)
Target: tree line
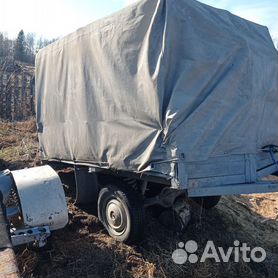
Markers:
point(23, 48)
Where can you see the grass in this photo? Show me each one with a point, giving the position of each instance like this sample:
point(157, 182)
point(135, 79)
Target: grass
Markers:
point(83, 248)
point(18, 144)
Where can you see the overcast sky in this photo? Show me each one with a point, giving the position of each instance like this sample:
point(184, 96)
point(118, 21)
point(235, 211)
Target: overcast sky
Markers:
point(55, 18)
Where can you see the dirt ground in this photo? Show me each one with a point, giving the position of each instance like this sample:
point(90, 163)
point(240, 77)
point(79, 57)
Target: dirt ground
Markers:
point(83, 248)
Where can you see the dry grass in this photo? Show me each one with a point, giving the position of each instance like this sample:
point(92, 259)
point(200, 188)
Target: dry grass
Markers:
point(18, 144)
point(83, 248)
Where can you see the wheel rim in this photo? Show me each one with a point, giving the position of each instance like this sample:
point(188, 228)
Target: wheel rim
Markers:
point(116, 217)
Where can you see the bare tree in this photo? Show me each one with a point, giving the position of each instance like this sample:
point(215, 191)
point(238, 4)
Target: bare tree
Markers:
point(23, 48)
point(1, 44)
point(6, 45)
point(42, 42)
point(30, 43)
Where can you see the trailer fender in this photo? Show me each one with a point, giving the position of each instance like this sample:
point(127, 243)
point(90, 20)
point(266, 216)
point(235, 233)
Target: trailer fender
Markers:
point(42, 197)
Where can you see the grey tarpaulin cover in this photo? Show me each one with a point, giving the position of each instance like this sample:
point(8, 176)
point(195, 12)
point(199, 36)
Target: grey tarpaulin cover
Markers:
point(159, 80)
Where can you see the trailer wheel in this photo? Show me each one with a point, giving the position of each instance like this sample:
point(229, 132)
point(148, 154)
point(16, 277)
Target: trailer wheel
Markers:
point(121, 211)
point(208, 202)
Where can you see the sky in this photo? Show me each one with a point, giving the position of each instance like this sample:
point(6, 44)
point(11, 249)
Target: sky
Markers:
point(56, 18)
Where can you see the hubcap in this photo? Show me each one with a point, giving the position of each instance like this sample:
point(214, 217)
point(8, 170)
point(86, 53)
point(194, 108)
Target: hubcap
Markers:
point(116, 216)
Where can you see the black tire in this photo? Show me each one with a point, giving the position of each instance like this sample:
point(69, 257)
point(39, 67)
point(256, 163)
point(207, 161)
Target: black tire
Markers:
point(207, 202)
point(121, 211)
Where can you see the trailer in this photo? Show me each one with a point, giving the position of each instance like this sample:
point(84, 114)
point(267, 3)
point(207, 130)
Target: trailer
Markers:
point(162, 102)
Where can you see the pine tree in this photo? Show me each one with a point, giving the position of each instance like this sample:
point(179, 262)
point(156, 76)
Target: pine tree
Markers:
point(20, 47)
